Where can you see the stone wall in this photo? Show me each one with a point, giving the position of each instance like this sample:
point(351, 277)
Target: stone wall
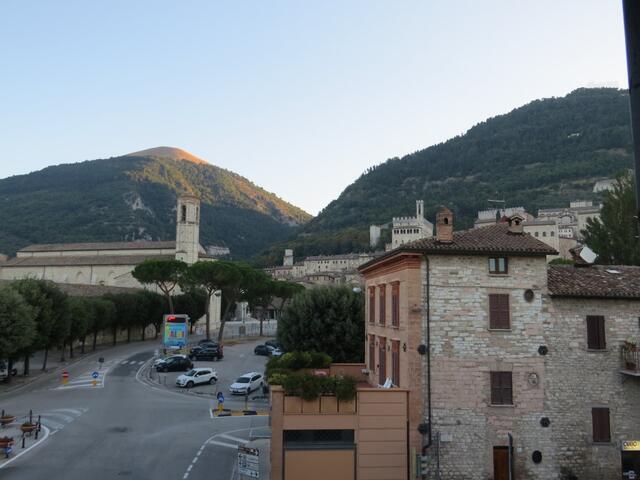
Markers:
point(464, 350)
point(579, 379)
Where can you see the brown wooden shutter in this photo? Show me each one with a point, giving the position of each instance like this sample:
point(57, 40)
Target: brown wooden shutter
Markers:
point(383, 304)
point(395, 304)
point(372, 304)
point(501, 388)
point(395, 362)
point(595, 332)
point(499, 316)
point(382, 359)
point(601, 426)
point(372, 353)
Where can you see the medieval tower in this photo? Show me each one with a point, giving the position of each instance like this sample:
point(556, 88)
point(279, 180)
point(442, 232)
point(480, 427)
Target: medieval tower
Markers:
point(188, 228)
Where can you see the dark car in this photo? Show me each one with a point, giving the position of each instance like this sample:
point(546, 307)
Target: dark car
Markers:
point(273, 344)
point(209, 352)
point(261, 350)
point(175, 364)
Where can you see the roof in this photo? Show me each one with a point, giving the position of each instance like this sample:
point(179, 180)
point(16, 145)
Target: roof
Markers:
point(140, 245)
point(595, 281)
point(81, 260)
point(343, 256)
point(492, 239)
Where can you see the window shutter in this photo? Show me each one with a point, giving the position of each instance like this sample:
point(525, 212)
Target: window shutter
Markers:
point(601, 426)
point(383, 305)
point(501, 388)
point(595, 332)
point(499, 317)
point(372, 304)
point(496, 393)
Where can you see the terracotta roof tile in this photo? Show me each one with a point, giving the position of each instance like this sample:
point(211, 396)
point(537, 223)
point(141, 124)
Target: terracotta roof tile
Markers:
point(595, 281)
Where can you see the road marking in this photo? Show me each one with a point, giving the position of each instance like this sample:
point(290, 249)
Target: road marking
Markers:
point(223, 444)
point(18, 455)
point(235, 439)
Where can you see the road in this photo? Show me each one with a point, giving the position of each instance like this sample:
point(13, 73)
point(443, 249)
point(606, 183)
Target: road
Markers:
point(123, 427)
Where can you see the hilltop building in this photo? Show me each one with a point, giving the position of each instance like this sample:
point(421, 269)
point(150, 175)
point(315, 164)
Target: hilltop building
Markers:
point(110, 264)
point(403, 229)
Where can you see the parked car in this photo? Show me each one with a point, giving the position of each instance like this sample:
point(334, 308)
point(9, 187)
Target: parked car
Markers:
point(207, 353)
point(276, 352)
point(175, 364)
point(4, 372)
point(158, 361)
point(197, 376)
point(272, 343)
point(206, 340)
point(262, 350)
point(247, 383)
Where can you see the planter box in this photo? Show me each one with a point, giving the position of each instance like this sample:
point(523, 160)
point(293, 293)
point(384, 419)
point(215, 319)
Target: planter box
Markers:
point(328, 404)
point(292, 404)
point(347, 406)
point(311, 406)
point(6, 420)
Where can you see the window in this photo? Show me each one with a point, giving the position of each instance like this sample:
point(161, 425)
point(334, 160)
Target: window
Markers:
point(601, 427)
point(498, 265)
point(395, 362)
point(499, 311)
point(544, 234)
point(395, 304)
point(553, 234)
point(383, 304)
point(595, 332)
point(372, 304)
point(536, 234)
point(183, 213)
point(372, 353)
point(382, 359)
point(501, 388)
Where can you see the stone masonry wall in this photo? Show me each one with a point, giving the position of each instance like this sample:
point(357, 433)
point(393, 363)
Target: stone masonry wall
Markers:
point(464, 350)
point(579, 379)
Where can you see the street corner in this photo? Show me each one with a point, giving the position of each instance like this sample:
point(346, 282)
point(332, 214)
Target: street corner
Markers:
point(17, 439)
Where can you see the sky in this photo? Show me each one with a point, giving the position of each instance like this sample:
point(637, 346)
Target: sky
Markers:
point(300, 97)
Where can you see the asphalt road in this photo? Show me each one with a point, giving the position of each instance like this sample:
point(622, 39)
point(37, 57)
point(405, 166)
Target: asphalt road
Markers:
point(124, 428)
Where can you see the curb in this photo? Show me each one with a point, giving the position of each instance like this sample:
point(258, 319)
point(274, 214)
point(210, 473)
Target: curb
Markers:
point(18, 455)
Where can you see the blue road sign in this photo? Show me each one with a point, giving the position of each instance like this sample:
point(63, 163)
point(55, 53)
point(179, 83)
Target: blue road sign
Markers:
point(220, 397)
point(95, 374)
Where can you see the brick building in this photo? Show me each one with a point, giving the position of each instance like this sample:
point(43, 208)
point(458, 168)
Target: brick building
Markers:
point(493, 347)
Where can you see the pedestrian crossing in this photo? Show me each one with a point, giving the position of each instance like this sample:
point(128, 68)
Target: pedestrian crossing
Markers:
point(58, 419)
point(91, 378)
point(133, 363)
point(227, 441)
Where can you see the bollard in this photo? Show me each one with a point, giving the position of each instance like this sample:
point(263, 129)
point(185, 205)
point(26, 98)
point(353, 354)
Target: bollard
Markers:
point(23, 440)
point(30, 416)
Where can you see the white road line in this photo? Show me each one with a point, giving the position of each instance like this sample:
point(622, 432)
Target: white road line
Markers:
point(222, 444)
point(189, 468)
point(210, 412)
point(18, 455)
point(53, 424)
point(235, 439)
point(73, 411)
point(123, 363)
point(64, 417)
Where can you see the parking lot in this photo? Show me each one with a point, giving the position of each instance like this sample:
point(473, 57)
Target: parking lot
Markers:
point(238, 360)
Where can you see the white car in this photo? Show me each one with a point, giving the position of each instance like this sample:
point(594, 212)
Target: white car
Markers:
point(160, 360)
point(197, 376)
point(247, 383)
point(275, 352)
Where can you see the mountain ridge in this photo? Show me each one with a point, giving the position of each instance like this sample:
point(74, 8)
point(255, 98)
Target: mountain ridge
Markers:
point(133, 197)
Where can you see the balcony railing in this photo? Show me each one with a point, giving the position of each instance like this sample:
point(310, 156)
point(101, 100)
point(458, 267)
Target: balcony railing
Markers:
point(630, 357)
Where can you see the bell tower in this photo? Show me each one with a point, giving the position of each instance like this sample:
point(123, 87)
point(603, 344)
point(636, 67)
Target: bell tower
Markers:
point(188, 228)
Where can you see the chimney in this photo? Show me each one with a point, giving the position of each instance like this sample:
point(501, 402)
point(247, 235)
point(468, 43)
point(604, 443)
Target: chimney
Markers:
point(444, 225)
point(515, 223)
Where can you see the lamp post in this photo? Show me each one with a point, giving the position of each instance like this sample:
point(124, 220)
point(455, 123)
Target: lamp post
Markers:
point(631, 13)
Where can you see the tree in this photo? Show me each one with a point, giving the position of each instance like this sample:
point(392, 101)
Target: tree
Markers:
point(192, 303)
point(212, 277)
point(52, 319)
point(614, 236)
point(155, 309)
point(17, 324)
point(80, 314)
point(325, 319)
point(104, 315)
point(164, 274)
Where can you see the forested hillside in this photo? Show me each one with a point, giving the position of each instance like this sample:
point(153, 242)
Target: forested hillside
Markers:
point(543, 154)
point(133, 197)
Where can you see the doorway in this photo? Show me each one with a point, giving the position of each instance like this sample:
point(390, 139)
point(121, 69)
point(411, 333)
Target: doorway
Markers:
point(500, 463)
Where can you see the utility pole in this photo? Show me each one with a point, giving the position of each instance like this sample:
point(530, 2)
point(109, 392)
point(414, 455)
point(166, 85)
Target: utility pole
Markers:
point(631, 12)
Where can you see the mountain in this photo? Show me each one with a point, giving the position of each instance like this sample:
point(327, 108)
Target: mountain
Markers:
point(543, 154)
point(133, 197)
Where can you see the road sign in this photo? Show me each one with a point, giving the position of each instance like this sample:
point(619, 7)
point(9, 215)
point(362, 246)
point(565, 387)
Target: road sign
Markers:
point(220, 397)
point(95, 374)
point(249, 462)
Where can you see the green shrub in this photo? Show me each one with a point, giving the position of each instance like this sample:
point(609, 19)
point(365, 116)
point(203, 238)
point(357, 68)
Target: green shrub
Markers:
point(310, 387)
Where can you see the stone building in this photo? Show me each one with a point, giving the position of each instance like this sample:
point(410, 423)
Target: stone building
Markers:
point(111, 263)
point(483, 335)
point(409, 229)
